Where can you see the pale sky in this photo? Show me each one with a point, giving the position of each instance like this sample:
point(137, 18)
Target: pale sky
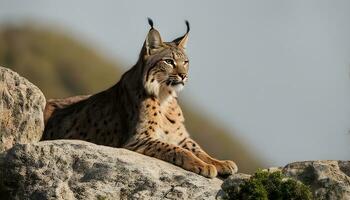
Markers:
point(277, 73)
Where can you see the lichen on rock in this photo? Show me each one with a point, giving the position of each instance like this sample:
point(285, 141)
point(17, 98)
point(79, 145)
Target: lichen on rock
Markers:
point(21, 110)
point(73, 169)
point(264, 185)
point(328, 179)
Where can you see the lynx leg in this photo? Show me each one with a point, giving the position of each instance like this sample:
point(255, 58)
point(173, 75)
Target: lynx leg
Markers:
point(224, 167)
point(173, 154)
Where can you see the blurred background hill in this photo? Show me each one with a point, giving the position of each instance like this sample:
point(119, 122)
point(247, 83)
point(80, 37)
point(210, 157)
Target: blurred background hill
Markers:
point(62, 66)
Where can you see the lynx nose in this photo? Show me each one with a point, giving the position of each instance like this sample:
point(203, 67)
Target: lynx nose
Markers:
point(182, 75)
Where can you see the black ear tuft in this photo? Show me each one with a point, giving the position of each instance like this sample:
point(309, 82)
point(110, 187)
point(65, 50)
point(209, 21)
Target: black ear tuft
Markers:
point(188, 26)
point(150, 22)
point(181, 41)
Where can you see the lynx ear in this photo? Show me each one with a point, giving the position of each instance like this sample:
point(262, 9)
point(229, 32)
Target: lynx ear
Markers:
point(153, 39)
point(182, 41)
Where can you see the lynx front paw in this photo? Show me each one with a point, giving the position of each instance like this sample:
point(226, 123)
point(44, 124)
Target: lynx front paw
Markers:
point(208, 171)
point(226, 167)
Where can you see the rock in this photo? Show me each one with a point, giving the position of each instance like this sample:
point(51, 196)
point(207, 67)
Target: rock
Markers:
point(72, 169)
point(232, 183)
point(21, 110)
point(327, 179)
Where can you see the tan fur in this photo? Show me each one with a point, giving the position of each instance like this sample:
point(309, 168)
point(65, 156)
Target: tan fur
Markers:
point(140, 112)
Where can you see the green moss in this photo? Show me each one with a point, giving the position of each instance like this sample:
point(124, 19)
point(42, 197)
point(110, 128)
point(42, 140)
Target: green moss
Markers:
point(270, 186)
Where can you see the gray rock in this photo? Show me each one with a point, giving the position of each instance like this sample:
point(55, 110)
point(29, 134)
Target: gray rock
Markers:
point(233, 184)
point(64, 169)
point(21, 110)
point(327, 179)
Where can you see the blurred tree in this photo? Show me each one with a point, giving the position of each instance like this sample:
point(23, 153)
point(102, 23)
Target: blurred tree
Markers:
point(60, 66)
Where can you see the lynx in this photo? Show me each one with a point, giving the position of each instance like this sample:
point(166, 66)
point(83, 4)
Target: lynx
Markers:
point(140, 112)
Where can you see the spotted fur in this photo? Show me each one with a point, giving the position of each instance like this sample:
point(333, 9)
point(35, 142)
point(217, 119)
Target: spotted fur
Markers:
point(140, 112)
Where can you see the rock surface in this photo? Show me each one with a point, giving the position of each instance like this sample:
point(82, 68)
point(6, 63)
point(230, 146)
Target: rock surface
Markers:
point(73, 169)
point(21, 110)
point(327, 179)
point(66, 169)
point(233, 182)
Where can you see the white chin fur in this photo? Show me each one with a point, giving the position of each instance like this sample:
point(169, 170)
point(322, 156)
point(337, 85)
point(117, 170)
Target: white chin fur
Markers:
point(178, 87)
point(152, 87)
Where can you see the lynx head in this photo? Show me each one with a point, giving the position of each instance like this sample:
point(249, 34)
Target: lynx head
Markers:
point(165, 64)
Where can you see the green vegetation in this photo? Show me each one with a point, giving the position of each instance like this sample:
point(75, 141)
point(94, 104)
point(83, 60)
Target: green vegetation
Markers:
point(61, 67)
point(270, 186)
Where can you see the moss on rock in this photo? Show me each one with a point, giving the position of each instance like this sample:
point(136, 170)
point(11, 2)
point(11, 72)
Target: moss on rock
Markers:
point(264, 185)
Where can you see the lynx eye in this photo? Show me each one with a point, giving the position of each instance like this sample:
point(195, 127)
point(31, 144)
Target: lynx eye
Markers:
point(170, 62)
